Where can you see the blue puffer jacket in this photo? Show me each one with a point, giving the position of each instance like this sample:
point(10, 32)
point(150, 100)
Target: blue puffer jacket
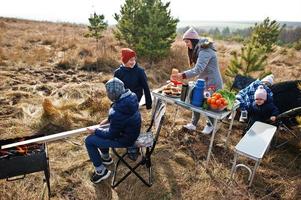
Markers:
point(125, 120)
point(135, 79)
point(263, 112)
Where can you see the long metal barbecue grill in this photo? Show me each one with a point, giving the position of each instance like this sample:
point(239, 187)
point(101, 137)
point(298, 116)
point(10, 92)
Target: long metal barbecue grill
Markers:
point(18, 161)
point(21, 156)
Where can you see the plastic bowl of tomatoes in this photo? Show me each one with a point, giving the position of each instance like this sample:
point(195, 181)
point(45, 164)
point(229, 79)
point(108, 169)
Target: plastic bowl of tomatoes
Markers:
point(216, 102)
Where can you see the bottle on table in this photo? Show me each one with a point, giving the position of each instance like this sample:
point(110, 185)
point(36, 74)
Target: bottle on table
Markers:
point(198, 93)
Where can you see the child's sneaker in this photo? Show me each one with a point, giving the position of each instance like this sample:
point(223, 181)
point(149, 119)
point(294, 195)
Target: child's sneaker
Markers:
point(241, 119)
point(107, 161)
point(243, 116)
point(97, 177)
point(207, 130)
point(190, 127)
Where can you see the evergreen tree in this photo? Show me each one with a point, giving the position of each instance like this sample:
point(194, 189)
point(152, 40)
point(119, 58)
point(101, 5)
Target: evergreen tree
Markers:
point(214, 32)
point(226, 31)
point(147, 27)
point(97, 26)
point(254, 53)
point(251, 60)
point(265, 34)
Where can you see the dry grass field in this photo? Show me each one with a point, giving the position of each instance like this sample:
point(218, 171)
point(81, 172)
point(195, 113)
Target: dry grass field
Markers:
point(52, 79)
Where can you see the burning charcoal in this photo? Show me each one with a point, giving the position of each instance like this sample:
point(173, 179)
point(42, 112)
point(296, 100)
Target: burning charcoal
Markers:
point(22, 160)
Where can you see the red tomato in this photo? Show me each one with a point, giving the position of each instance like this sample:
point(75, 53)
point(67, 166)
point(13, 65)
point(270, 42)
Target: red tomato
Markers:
point(218, 96)
point(222, 100)
point(214, 106)
point(209, 100)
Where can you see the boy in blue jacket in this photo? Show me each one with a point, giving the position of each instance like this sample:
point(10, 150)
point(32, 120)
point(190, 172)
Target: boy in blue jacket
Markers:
point(125, 123)
point(133, 76)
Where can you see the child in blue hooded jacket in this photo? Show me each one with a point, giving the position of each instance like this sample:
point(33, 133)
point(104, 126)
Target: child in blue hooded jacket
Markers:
point(125, 123)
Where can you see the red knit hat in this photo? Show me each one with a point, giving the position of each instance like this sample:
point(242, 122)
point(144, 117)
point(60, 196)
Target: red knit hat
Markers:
point(127, 54)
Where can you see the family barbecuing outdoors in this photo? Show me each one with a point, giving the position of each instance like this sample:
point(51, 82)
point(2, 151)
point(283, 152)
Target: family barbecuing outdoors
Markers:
point(201, 102)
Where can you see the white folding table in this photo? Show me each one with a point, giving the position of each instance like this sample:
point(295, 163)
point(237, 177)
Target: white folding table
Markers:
point(217, 116)
point(254, 145)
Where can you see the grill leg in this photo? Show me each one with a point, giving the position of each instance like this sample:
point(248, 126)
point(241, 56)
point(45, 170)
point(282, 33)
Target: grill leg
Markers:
point(47, 176)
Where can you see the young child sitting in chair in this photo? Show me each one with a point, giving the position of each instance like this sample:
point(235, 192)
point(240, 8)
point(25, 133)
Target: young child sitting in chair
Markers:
point(246, 95)
point(262, 109)
point(124, 129)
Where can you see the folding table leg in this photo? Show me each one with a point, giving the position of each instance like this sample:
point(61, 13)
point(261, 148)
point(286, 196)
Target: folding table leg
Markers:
point(211, 141)
point(254, 171)
point(234, 165)
point(230, 127)
point(174, 120)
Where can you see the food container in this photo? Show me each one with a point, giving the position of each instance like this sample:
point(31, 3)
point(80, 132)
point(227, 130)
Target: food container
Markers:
point(217, 109)
point(189, 92)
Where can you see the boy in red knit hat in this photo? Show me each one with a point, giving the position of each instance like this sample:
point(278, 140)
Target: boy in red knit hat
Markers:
point(127, 54)
point(134, 78)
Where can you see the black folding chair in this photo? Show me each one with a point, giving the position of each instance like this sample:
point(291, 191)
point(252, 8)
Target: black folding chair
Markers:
point(240, 82)
point(287, 95)
point(146, 149)
point(287, 98)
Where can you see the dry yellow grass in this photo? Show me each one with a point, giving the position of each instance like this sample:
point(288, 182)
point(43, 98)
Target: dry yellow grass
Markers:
point(45, 89)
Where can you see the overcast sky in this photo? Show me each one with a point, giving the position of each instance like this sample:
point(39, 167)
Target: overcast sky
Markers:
point(78, 11)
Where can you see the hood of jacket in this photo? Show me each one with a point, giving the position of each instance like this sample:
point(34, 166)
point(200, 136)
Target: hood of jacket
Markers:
point(127, 103)
point(204, 43)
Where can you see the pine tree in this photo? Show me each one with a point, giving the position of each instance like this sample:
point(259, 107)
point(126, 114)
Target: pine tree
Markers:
point(226, 31)
point(253, 55)
point(265, 34)
point(251, 60)
point(147, 27)
point(97, 26)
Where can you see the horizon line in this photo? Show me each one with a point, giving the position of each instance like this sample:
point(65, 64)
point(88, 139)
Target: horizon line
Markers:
point(111, 24)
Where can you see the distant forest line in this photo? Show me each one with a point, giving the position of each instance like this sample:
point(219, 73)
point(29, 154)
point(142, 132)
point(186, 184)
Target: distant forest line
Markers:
point(239, 31)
